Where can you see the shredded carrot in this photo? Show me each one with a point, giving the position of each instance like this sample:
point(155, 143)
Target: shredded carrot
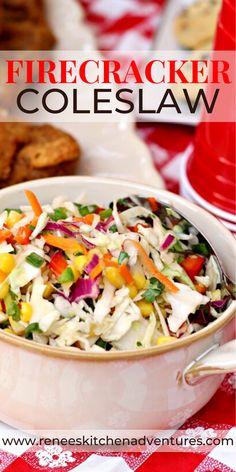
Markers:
point(152, 269)
point(125, 273)
point(108, 262)
point(34, 221)
point(97, 270)
point(88, 219)
point(153, 204)
point(66, 244)
point(33, 201)
point(200, 288)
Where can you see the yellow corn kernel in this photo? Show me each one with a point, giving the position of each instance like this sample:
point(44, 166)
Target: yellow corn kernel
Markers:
point(80, 262)
point(8, 330)
point(146, 308)
point(48, 291)
point(26, 312)
point(7, 263)
point(133, 291)
point(13, 218)
point(139, 280)
point(4, 289)
point(17, 327)
point(165, 340)
point(113, 275)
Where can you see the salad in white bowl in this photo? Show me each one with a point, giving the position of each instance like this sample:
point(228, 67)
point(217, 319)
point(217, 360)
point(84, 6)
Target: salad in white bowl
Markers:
point(130, 276)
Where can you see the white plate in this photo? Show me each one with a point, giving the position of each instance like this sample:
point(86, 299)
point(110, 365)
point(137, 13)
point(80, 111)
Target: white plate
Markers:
point(113, 149)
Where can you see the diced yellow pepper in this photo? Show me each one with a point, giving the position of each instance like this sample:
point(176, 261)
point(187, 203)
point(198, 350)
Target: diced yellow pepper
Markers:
point(133, 291)
point(139, 280)
point(113, 275)
point(4, 289)
point(75, 272)
point(146, 308)
point(26, 312)
point(165, 339)
point(2, 277)
point(13, 218)
point(7, 263)
point(80, 262)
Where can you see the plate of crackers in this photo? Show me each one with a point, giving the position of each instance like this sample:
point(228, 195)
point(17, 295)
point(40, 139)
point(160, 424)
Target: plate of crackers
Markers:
point(34, 151)
point(188, 28)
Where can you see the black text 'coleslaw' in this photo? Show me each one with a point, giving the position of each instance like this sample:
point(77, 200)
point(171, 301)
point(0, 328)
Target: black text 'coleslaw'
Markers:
point(130, 276)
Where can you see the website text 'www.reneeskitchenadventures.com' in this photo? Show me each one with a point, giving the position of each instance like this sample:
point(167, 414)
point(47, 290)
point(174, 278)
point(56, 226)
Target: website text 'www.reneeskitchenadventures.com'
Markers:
point(135, 441)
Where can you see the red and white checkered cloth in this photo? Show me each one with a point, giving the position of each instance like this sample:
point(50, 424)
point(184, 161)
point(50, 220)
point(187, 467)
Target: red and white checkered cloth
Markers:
point(131, 24)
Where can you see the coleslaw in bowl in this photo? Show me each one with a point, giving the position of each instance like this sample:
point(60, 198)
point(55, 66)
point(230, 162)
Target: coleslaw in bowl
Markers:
point(128, 276)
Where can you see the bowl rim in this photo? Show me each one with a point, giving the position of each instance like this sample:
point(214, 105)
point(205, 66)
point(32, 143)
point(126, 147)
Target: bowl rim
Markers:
point(73, 353)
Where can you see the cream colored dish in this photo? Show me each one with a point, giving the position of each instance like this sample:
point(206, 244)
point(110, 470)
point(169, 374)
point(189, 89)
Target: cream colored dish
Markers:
point(61, 388)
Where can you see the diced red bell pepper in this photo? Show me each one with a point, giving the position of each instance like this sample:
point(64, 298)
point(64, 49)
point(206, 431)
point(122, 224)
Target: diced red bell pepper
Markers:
point(58, 263)
point(193, 265)
point(153, 204)
point(134, 229)
point(98, 210)
point(23, 234)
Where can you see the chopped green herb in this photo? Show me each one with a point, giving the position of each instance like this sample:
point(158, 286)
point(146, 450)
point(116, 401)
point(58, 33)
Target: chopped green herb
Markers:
point(177, 247)
point(32, 328)
point(155, 289)
point(13, 209)
point(139, 344)
point(104, 214)
point(104, 344)
point(79, 254)
point(113, 229)
point(31, 227)
point(200, 248)
point(34, 259)
point(180, 259)
point(122, 257)
point(59, 213)
point(12, 308)
point(66, 276)
point(86, 210)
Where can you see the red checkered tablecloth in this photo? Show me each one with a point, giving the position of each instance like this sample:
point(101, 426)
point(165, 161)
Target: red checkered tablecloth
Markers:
point(131, 24)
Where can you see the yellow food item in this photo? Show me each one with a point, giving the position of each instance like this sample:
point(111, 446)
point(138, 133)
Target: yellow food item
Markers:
point(146, 308)
point(133, 291)
point(80, 262)
point(75, 272)
point(26, 312)
point(165, 340)
point(4, 289)
point(13, 218)
point(139, 280)
point(8, 330)
point(7, 263)
point(48, 291)
point(17, 327)
point(112, 274)
point(2, 277)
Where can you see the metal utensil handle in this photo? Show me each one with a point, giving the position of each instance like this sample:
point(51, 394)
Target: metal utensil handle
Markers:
point(218, 360)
